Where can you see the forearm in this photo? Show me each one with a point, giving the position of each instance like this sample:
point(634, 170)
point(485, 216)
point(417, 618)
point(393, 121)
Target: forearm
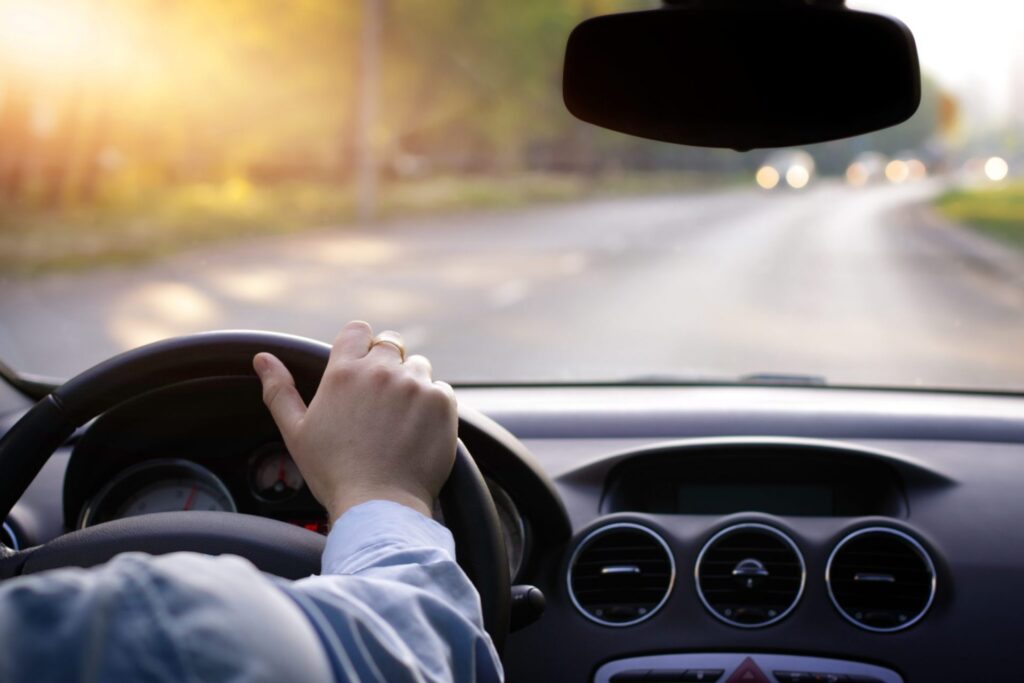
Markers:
point(179, 617)
point(395, 569)
point(392, 605)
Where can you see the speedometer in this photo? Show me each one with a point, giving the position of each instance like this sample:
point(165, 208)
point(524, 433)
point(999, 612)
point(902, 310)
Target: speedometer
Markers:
point(158, 486)
point(170, 495)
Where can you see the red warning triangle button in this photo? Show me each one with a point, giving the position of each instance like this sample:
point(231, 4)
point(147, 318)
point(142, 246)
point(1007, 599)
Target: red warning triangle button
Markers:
point(748, 673)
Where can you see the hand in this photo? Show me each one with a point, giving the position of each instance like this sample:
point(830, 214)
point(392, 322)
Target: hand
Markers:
point(377, 429)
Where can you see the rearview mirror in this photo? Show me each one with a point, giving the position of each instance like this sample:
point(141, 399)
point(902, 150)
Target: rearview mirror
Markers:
point(742, 75)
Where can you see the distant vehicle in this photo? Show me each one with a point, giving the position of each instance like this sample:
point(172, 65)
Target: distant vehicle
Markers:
point(874, 167)
point(867, 168)
point(905, 167)
point(792, 168)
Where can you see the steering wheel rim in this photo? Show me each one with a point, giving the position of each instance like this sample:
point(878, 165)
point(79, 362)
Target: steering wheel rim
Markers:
point(465, 500)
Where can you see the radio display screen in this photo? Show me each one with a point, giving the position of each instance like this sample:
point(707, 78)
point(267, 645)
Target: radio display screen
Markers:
point(775, 499)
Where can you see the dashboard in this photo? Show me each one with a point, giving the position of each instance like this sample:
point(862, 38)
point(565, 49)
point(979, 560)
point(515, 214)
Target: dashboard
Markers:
point(729, 534)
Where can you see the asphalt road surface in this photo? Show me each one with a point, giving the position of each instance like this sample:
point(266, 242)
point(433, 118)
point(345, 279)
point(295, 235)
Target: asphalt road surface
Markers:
point(856, 286)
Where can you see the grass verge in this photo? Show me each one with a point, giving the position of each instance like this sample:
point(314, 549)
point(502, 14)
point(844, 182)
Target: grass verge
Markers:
point(997, 212)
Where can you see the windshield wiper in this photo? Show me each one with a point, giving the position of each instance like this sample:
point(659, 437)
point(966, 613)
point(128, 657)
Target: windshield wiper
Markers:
point(765, 378)
point(786, 378)
point(32, 386)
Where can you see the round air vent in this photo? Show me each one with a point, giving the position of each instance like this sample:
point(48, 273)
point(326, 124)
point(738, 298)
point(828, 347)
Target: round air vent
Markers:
point(750, 575)
point(881, 579)
point(621, 574)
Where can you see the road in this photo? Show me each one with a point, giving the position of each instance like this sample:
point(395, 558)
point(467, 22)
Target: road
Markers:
point(857, 286)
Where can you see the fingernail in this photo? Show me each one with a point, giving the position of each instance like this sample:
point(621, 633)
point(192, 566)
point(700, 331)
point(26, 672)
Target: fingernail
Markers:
point(259, 363)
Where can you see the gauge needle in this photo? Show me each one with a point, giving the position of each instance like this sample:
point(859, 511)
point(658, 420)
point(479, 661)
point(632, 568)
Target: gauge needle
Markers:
point(191, 497)
point(280, 470)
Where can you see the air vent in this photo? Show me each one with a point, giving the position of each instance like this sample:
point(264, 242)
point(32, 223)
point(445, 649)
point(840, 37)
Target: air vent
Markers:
point(621, 574)
point(881, 579)
point(750, 575)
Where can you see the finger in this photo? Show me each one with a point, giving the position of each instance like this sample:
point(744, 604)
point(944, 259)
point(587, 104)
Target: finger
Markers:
point(419, 366)
point(353, 341)
point(279, 393)
point(446, 388)
point(387, 347)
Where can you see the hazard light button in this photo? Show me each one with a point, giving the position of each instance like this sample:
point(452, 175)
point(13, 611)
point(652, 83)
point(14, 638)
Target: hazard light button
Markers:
point(747, 672)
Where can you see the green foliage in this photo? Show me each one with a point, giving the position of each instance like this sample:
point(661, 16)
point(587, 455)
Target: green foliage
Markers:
point(996, 211)
point(197, 91)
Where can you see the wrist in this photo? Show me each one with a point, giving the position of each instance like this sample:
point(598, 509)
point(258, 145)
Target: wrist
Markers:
point(344, 501)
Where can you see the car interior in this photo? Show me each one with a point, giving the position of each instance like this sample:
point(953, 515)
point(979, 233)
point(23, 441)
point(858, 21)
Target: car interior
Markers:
point(777, 529)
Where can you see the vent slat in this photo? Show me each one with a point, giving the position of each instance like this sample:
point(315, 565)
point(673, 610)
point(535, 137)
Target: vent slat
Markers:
point(621, 599)
point(881, 606)
point(769, 597)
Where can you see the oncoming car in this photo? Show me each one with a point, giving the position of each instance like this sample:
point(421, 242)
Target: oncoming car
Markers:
point(793, 169)
point(867, 168)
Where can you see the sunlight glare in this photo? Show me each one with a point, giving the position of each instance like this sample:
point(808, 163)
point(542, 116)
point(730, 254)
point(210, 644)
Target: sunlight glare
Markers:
point(46, 35)
point(161, 309)
point(261, 285)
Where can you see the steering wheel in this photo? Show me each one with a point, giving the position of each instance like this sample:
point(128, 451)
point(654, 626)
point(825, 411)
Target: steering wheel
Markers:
point(273, 546)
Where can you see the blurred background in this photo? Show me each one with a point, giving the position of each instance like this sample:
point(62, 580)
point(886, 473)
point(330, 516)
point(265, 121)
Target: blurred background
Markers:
point(152, 124)
point(137, 132)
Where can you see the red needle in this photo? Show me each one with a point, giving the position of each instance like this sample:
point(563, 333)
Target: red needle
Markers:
point(191, 496)
point(280, 469)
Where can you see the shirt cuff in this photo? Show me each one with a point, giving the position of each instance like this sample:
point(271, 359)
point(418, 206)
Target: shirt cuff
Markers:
point(370, 530)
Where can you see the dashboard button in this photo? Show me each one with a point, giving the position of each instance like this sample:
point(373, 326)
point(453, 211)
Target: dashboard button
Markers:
point(667, 676)
point(747, 672)
point(634, 676)
point(705, 675)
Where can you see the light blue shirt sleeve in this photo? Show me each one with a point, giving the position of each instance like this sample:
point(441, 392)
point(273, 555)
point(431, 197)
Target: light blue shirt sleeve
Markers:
point(391, 605)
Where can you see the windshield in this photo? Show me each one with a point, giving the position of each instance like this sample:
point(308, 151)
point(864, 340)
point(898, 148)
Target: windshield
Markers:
point(167, 168)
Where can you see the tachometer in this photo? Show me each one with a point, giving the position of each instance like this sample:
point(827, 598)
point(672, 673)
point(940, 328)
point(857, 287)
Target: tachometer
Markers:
point(158, 486)
point(273, 475)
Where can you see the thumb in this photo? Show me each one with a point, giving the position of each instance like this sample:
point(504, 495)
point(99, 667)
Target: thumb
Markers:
point(279, 392)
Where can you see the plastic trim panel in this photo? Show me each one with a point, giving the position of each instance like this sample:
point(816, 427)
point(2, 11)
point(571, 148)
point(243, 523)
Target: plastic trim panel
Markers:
point(730, 661)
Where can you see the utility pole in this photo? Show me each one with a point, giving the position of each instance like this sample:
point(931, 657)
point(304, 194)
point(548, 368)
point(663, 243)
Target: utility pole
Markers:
point(367, 163)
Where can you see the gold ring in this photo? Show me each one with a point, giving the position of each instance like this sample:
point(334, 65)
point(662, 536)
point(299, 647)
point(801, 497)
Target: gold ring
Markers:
point(391, 338)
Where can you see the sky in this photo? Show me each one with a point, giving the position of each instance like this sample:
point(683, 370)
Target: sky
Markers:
point(974, 49)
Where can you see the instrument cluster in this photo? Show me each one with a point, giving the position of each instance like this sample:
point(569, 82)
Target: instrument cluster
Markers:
point(266, 482)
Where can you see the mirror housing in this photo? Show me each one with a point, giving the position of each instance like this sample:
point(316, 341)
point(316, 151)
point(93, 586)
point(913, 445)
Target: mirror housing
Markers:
point(742, 74)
